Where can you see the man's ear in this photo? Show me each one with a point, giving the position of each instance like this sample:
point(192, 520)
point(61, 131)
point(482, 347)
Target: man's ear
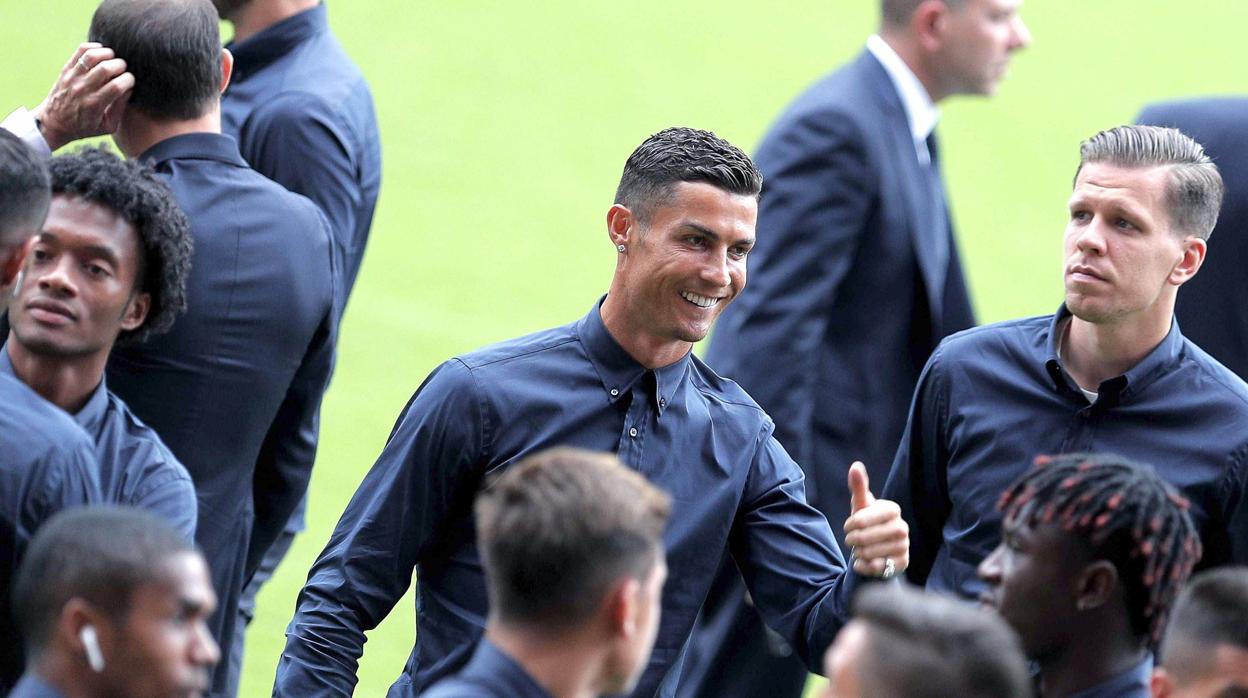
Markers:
point(10, 267)
point(136, 311)
point(1096, 585)
point(1161, 683)
point(622, 226)
point(622, 605)
point(1194, 250)
point(227, 68)
point(928, 22)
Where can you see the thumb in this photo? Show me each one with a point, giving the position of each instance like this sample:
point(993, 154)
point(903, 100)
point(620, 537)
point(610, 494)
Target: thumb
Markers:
point(859, 488)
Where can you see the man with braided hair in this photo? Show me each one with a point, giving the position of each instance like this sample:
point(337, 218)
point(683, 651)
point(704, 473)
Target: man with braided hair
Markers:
point(1093, 552)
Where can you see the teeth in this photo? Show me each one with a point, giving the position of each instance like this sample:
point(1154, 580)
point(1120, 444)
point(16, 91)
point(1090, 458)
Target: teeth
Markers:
point(700, 301)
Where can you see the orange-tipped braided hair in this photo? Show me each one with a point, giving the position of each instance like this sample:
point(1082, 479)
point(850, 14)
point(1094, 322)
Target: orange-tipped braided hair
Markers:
point(1128, 515)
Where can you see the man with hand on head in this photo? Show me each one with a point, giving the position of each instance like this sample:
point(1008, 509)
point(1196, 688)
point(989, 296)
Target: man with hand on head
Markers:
point(572, 546)
point(622, 380)
point(1094, 549)
point(1109, 372)
point(113, 602)
point(1204, 653)
point(904, 643)
point(853, 203)
point(109, 266)
point(47, 462)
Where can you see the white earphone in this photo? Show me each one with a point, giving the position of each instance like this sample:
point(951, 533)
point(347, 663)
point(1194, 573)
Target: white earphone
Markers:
point(91, 645)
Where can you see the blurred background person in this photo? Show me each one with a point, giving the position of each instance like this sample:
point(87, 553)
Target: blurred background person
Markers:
point(572, 546)
point(113, 602)
point(1204, 653)
point(1094, 549)
point(855, 279)
point(109, 266)
point(904, 643)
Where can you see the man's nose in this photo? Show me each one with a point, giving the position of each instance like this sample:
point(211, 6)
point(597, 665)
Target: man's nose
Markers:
point(1020, 36)
point(57, 278)
point(716, 270)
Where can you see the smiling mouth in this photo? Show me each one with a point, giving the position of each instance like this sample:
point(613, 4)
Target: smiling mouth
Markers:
point(700, 301)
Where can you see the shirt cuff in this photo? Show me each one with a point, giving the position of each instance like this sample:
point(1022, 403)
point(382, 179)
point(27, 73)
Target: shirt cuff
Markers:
point(22, 124)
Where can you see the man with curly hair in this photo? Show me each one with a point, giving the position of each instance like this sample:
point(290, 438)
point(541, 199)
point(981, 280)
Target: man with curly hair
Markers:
point(109, 266)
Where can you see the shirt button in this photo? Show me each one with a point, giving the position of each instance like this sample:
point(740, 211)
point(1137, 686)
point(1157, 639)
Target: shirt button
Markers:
point(614, 392)
point(662, 402)
point(633, 432)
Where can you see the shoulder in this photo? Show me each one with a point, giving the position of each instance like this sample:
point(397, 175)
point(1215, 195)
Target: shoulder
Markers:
point(1209, 110)
point(724, 396)
point(37, 427)
point(1216, 378)
point(145, 445)
point(523, 349)
point(987, 348)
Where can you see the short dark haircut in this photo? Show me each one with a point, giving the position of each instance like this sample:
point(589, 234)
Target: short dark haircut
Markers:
point(173, 49)
point(134, 192)
point(921, 645)
point(558, 529)
point(1194, 191)
point(1126, 514)
point(1211, 611)
point(100, 554)
point(25, 191)
point(680, 154)
point(898, 12)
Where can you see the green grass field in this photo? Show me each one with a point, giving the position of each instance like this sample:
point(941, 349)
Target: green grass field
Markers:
point(505, 126)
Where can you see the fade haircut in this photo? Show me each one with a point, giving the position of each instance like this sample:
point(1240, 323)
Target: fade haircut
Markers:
point(25, 192)
point(1211, 611)
point(173, 49)
point(132, 191)
point(920, 645)
point(1194, 189)
point(680, 154)
point(1126, 514)
point(559, 529)
point(897, 13)
point(100, 554)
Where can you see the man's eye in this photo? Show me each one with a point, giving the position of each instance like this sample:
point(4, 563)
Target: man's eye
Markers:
point(1080, 216)
point(740, 252)
point(97, 270)
point(696, 240)
point(39, 255)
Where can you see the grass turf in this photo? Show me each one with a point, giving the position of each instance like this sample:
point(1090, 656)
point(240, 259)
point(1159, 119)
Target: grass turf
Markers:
point(505, 126)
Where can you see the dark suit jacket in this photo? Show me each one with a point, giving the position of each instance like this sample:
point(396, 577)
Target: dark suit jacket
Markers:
point(233, 389)
point(1211, 307)
point(837, 321)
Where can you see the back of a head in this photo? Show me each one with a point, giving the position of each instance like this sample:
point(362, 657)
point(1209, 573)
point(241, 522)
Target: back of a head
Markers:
point(897, 13)
point(173, 49)
point(681, 154)
point(1194, 191)
point(559, 529)
point(922, 645)
point(98, 554)
point(25, 191)
point(1212, 611)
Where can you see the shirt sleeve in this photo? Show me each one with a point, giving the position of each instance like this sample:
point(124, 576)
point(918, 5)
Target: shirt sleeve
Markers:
point(430, 466)
point(813, 212)
point(918, 481)
point(70, 478)
point(786, 553)
point(172, 498)
point(22, 124)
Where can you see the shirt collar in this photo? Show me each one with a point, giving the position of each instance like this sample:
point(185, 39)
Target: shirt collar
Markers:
point(1139, 376)
point(489, 660)
point(1132, 683)
point(275, 41)
point(89, 416)
point(619, 371)
point(921, 113)
point(195, 146)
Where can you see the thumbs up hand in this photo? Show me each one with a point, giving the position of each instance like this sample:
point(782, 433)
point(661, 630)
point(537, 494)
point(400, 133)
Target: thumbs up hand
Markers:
point(875, 531)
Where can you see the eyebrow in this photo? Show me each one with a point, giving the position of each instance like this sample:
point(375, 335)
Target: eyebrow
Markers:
point(1115, 202)
point(714, 235)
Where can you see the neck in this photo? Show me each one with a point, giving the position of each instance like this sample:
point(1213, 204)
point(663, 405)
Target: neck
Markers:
point(66, 383)
point(256, 16)
point(60, 671)
point(138, 132)
point(1096, 352)
point(907, 48)
point(1105, 648)
point(568, 665)
point(647, 349)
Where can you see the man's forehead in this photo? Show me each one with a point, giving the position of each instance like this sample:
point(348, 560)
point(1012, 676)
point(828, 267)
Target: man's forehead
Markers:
point(1106, 180)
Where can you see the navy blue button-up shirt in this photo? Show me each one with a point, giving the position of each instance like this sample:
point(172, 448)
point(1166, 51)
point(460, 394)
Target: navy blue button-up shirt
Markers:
point(32, 686)
point(47, 464)
point(1135, 682)
point(994, 397)
point(489, 674)
point(303, 116)
point(135, 467)
point(696, 435)
point(234, 387)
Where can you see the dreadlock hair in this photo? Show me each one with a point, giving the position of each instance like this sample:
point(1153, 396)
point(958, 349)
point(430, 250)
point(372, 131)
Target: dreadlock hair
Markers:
point(1127, 514)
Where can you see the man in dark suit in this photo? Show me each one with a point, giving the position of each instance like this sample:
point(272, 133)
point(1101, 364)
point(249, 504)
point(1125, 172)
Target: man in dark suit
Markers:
point(1211, 310)
point(856, 275)
point(234, 388)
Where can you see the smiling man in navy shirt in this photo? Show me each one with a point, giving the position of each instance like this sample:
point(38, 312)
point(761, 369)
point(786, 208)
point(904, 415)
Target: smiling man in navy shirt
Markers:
point(622, 380)
point(109, 265)
point(1109, 372)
